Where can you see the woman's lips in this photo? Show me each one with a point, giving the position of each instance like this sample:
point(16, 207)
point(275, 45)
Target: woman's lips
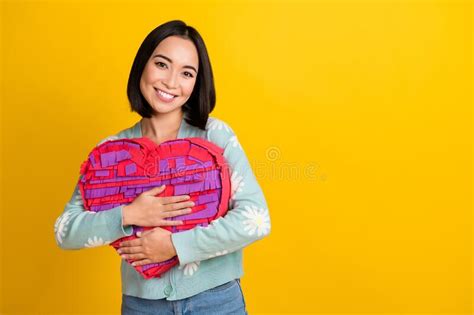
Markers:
point(162, 97)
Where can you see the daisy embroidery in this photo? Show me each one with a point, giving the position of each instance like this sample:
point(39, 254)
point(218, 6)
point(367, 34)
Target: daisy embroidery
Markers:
point(77, 199)
point(191, 268)
point(218, 253)
point(235, 142)
point(236, 183)
point(213, 222)
point(60, 226)
point(215, 124)
point(258, 221)
point(95, 242)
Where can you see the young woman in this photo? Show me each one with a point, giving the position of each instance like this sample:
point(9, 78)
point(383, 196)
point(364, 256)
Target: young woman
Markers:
point(171, 87)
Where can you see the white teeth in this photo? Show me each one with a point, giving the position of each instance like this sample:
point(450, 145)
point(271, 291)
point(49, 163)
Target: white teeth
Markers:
point(165, 95)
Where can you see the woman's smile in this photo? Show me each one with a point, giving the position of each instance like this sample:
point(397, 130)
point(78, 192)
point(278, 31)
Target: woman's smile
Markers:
point(164, 96)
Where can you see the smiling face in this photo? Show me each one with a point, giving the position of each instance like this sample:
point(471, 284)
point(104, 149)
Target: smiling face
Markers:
point(170, 74)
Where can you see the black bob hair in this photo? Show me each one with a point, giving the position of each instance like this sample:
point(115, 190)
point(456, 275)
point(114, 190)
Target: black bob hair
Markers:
point(202, 99)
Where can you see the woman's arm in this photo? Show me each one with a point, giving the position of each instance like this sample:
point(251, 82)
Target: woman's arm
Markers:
point(247, 219)
point(78, 228)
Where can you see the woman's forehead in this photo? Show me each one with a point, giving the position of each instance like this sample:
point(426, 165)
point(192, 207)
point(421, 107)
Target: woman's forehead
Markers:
point(179, 50)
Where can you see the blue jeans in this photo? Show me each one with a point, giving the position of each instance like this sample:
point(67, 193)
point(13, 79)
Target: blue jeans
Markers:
point(224, 299)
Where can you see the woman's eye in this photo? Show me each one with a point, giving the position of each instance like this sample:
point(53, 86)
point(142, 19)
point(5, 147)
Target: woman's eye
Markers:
point(159, 64)
point(186, 74)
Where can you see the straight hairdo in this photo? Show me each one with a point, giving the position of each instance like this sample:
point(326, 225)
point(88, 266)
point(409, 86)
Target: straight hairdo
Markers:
point(202, 99)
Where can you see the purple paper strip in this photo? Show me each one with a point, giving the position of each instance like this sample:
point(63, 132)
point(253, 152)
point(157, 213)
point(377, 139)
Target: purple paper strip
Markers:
point(209, 211)
point(107, 159)
point(123, 155)
point(130, 169)
point(102, 173)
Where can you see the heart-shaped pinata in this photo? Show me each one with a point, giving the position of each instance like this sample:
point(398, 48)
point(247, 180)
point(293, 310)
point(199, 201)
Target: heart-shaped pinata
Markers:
point(117, 171)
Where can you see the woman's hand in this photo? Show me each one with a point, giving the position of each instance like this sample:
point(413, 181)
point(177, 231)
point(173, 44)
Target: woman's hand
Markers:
point(152, 246)
point(149, 210)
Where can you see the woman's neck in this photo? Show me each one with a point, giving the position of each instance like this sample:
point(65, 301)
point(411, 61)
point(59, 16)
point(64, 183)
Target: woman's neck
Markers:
point(162, 127)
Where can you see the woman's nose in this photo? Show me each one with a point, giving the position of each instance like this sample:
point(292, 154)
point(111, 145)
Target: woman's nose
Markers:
point(170, 81)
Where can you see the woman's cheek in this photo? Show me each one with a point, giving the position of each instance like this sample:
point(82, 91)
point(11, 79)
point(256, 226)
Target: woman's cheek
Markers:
point(189, 88)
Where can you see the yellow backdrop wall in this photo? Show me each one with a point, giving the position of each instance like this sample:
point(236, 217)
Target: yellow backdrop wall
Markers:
point(356, 116)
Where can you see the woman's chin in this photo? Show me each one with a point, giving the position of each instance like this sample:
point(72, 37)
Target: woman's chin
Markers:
point(165, 108)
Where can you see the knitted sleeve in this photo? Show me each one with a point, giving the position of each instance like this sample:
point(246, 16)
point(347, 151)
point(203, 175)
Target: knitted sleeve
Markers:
point(78, 228)
point(247, 219)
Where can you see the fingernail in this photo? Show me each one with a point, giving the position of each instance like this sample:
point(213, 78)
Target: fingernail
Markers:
point(133, 264)
point(123, 256)
point(119, 251)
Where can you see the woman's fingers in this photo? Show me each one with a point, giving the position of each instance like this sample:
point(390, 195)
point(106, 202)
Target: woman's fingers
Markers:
point(179, 205)
point(130, 250)
point(173, 199)
point(141, 262)
point(133, 256)
point(176, 213)
point(155, 191)
point(170, 222)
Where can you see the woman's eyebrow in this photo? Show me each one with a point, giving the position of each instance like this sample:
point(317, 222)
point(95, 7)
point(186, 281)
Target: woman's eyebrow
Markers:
point(170, 61)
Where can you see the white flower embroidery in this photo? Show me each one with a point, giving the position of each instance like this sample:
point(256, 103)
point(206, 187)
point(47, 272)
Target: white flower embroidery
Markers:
point(60, 226)
point(215, 124)
point(219, 253)
point(236, 183)
point(235, 142)
point(191, 268)
point(213, 221)
point(258, 221)
point(77, 199)
point(95, 242)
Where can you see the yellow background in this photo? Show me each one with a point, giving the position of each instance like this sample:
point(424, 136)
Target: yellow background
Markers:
point(356, 115)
